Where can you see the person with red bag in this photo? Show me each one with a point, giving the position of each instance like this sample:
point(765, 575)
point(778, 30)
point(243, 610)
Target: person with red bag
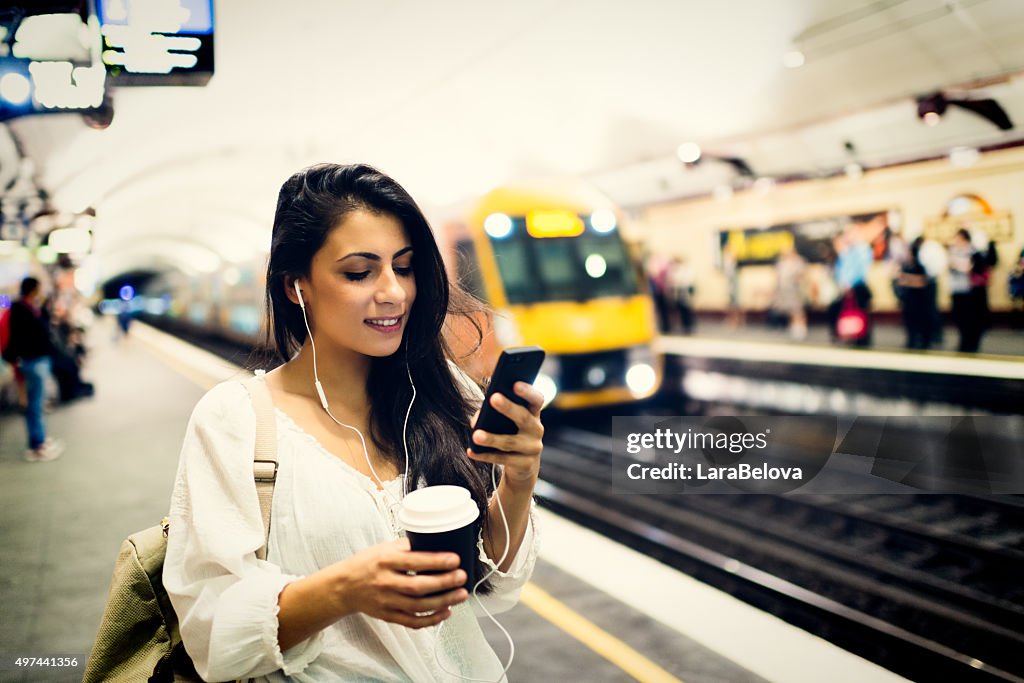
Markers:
point(849, 316)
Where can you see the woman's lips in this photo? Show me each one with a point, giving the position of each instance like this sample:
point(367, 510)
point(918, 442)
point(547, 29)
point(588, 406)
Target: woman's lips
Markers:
point(385, 325)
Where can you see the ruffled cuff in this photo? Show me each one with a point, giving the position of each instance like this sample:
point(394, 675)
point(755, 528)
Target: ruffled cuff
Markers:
point(508, 584)
point(254, 600)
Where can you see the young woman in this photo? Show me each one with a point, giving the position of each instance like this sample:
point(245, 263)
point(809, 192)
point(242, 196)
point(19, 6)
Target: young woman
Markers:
point(336, 598)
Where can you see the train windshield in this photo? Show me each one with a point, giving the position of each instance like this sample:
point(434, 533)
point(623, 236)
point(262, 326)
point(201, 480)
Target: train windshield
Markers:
point(578, 268)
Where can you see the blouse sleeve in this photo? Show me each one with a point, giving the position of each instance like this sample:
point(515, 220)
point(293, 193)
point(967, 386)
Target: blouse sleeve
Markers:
point(508, 585)
point(225, 598)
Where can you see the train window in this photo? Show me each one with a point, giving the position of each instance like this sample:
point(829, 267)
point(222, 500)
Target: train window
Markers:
point(514, 267)
point(559, 270)
point(616, 276)
point(537, 269)
point(468, 269)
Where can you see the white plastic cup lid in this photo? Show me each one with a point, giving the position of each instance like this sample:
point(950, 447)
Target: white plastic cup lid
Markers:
point(436, 509)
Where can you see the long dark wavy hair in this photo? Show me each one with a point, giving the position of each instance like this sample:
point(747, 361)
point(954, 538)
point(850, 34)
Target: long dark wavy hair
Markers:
point(311, 204)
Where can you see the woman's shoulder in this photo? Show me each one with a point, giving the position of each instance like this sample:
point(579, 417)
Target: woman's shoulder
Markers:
point(228, 399)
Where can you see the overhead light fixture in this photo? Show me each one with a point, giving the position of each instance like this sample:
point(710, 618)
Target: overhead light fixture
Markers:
point(741, 166)
point(70, 240)
point(688, 152)
point(931, 108)
point(793, 59)
point(853, 170)
point(964, 157)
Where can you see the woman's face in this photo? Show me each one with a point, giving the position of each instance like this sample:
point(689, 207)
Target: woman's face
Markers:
point(361, 286)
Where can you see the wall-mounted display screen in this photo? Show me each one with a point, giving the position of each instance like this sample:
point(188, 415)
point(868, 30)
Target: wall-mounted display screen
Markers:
point(166, 43)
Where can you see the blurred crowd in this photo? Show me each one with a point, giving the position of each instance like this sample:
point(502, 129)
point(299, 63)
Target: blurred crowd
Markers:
point(915, 268)
point(42, 344)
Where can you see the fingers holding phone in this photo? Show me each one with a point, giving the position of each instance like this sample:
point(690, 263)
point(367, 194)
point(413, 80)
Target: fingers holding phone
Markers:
point(507, 430)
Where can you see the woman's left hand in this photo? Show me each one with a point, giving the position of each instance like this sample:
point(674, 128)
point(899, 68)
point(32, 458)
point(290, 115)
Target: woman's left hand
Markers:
point(519, 453)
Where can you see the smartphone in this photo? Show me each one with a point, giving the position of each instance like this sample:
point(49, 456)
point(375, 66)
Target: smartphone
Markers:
point(520, 364)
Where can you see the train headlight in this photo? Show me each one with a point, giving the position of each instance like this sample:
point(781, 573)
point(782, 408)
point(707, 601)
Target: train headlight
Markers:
point(498, 226)
point(641, 378)
point(547, 378)
point(603, 221)
point(547, 386)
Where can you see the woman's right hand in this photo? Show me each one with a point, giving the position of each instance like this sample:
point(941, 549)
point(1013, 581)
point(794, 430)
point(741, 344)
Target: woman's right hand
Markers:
point(376, 582)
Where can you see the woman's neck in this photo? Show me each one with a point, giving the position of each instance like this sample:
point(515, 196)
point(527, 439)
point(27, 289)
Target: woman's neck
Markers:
point(342, 374)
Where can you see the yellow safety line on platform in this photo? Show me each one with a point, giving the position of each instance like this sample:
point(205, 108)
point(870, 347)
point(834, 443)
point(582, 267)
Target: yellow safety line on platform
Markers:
point(598, 640)
point(537, 599)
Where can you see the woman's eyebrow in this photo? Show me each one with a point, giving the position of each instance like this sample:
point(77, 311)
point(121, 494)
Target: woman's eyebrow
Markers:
point(374, 257)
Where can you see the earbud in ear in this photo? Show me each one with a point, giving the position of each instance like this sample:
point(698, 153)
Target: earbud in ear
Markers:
point(298, 293)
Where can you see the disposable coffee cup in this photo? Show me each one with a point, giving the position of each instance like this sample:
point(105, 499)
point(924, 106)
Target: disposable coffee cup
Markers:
point(443, 519)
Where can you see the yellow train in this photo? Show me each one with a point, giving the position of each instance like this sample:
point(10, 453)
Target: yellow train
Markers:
point(551, 261)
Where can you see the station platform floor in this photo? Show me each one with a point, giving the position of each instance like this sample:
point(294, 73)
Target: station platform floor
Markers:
point(887, 336)
point(595, 611)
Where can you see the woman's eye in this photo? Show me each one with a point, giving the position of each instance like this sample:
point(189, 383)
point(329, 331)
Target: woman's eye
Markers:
point(357, 276)
point(403, 271)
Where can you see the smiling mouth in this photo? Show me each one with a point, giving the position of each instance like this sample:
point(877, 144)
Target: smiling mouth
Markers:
point(385, 324)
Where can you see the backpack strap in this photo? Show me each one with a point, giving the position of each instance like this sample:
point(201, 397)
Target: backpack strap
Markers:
point(264, 465)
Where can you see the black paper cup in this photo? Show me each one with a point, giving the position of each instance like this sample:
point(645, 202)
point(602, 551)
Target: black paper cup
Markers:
point(443, 519)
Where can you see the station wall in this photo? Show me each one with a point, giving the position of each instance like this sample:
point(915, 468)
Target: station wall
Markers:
point(919, 193)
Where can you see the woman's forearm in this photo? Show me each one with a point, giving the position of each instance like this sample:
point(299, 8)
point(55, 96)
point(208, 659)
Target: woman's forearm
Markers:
point(306, 607)
point(516, 498)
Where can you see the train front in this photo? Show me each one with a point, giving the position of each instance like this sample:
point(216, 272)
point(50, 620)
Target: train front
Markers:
point(552, 261)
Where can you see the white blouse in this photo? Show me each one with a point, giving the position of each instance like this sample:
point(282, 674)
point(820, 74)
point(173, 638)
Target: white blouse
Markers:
point(324, 511)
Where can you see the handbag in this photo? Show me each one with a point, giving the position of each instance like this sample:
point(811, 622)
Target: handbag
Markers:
point(852, 323)
point(138, 639)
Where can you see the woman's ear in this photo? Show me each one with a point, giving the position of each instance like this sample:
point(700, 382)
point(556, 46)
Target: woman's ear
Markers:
point(290, 289)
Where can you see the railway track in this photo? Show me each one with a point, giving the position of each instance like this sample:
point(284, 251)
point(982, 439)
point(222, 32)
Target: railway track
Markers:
point(928, 586)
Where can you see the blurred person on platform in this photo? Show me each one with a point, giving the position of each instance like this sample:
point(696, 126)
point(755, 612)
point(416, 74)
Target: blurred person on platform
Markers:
point(917, 298)
point(68, 348)
point(933, 257)
point(969, 270)
point(1015, 285)
point(790, 269)
point(656, 268)
point(30, 347)
point(357, 300)
point(735, 315)
point(680, 291)
point(896, 256)
point(853, 261)
point(124, 317)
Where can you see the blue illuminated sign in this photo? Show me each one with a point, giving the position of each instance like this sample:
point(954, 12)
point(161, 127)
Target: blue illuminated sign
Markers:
point(5, 301)
point(157, 43)
point(127, 293)
point(194, 16)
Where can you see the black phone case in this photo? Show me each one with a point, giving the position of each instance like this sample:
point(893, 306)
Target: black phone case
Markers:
point(519, 364)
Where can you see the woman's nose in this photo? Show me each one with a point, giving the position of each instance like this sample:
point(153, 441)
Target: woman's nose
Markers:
point(390, 290)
